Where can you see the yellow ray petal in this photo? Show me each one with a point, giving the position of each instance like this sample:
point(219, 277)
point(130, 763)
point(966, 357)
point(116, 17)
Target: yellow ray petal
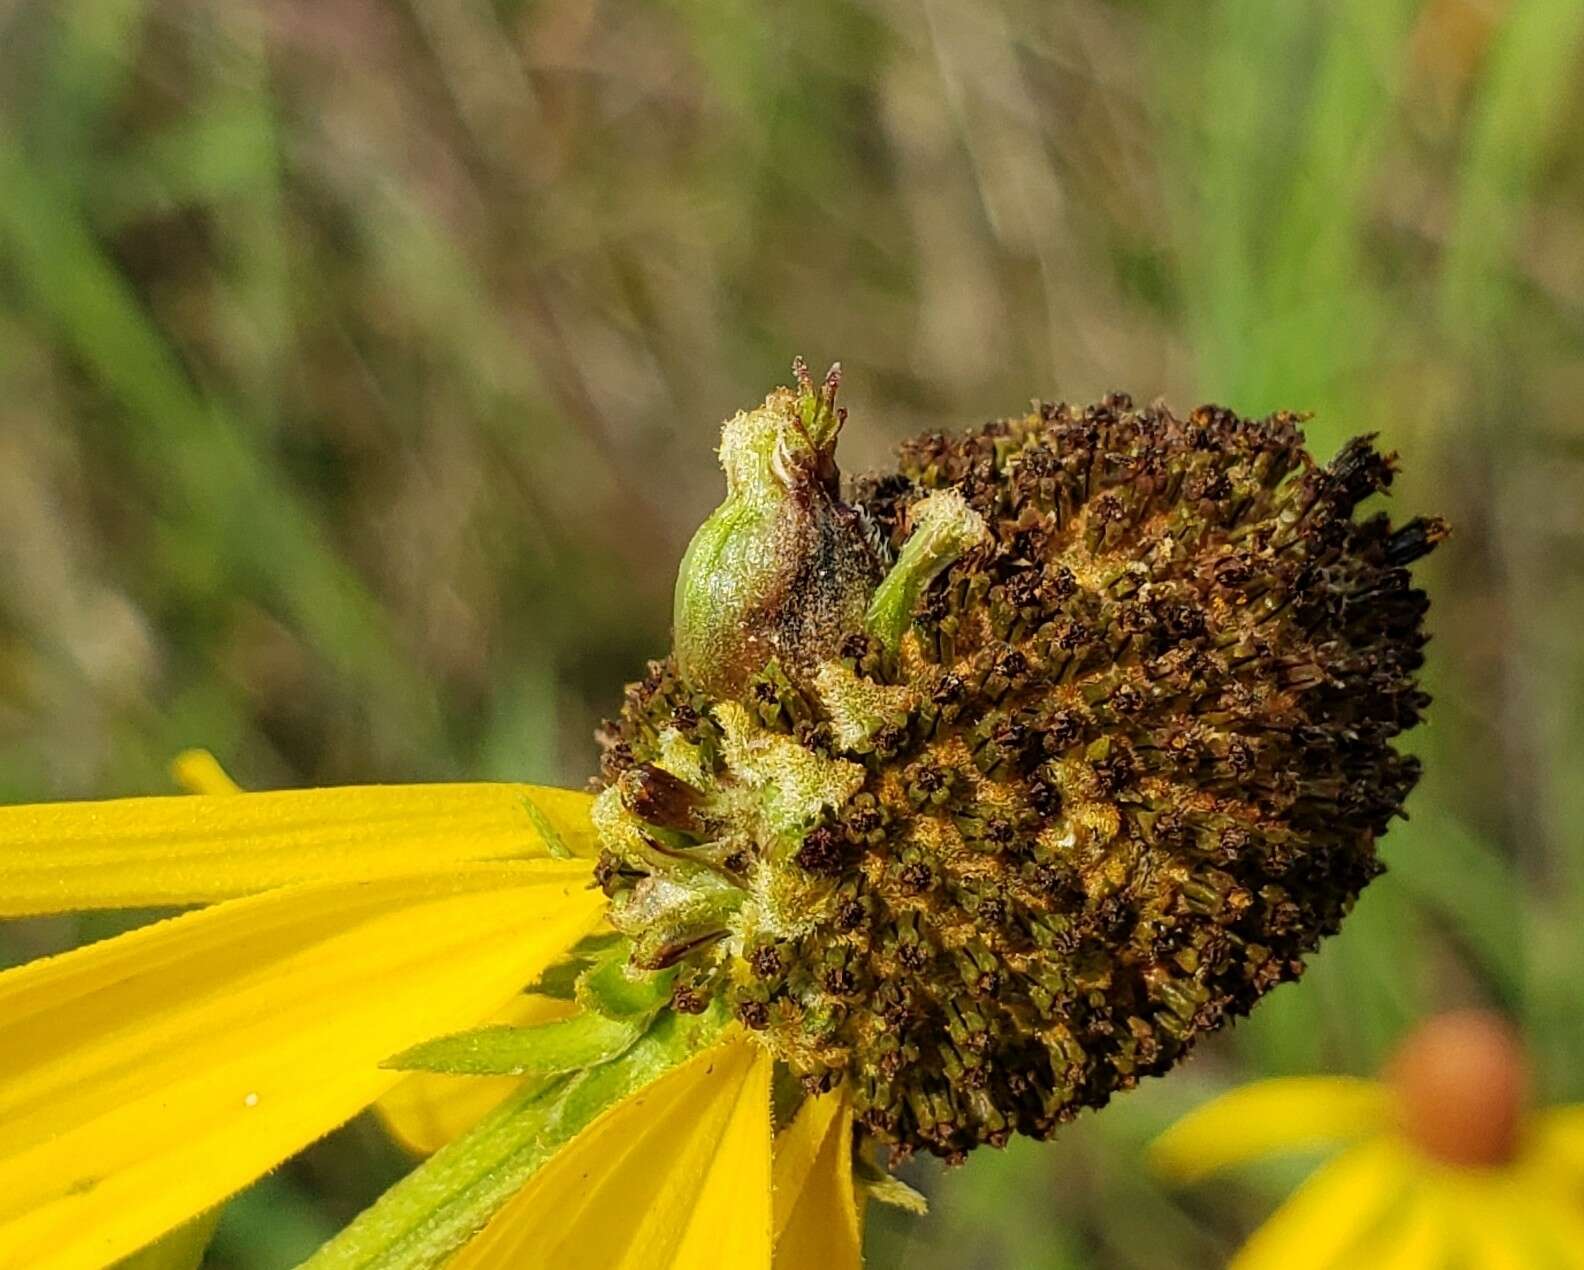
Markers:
point(1557, 1142)
point(797, 1148)
point(199, 772)
point(1494, 1240)
point(1519, 1219)
point(55, 857)
point(426, 1110)
point(816, 1218)
point(676, 1177)
point(1331, 1212)
point(145, 1078)
point(1266, 1117)
point(1414, 1238)
point(180, 1249)
point(1559, 1221)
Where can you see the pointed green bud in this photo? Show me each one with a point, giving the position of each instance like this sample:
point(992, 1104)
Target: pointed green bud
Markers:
point(945, 528)
point(782, 569)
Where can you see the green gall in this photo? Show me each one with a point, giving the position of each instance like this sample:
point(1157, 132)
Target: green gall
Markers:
point(781, 569)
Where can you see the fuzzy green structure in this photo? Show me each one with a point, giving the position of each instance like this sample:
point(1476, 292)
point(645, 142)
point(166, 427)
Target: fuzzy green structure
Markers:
point(1106, 756)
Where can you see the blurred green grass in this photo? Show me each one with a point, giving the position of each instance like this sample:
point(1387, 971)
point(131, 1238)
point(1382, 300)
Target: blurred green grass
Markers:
point(360, 364)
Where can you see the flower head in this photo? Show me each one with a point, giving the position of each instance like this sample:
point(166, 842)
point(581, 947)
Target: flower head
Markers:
point(1443, 1162)
point(1107, 754)
point(967, 798)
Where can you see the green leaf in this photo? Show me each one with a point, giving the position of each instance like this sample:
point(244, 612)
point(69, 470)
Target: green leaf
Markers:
point(434, 1210)
point(547, 1049)
point(87, 72)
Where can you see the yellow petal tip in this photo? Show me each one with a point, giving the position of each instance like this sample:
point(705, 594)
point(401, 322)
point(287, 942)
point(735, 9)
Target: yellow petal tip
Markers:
point(197, 771)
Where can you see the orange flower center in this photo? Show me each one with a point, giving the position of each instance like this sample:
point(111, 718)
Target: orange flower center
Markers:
point(1461, 1081)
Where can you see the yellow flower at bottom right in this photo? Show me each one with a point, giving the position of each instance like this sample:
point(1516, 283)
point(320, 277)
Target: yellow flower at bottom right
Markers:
point(1439, 1165)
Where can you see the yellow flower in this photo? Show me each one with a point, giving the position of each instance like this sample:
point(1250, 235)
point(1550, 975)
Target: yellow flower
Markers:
point(147, 1077)
point(1439, 1165)
point(913, 844)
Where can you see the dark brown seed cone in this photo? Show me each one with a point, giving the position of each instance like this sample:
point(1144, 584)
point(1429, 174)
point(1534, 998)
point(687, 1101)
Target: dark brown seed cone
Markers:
point(1132, 769)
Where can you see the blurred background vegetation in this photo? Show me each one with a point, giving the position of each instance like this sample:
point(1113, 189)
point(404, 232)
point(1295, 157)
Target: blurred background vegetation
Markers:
point(361, 363)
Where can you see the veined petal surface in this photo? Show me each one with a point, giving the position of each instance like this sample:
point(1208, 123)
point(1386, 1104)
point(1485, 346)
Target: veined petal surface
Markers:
point(674, 1177)
point(1268, 1116)
point(196, 849)
point(147, 1077)
point(426, 1111)
point(816, 1216)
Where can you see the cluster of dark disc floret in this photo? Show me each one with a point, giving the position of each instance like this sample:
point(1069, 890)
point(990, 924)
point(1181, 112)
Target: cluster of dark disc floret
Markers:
point(1131, 759)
